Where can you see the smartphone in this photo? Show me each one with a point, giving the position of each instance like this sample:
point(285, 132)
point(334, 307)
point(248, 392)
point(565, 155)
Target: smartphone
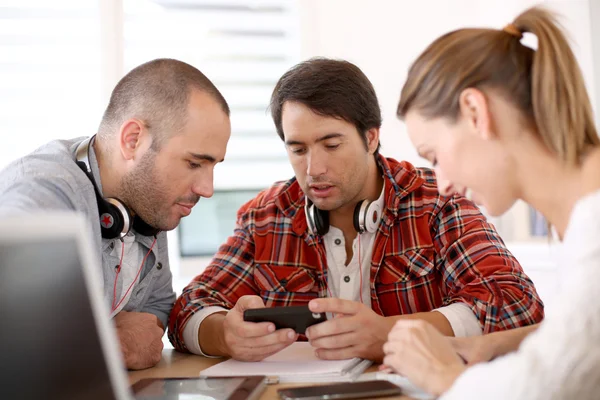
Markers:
point(354, 390)
point(297, 318)
point(217, 388)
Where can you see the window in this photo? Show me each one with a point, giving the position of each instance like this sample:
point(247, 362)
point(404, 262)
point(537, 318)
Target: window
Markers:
point(50, 73)
point(211, 222)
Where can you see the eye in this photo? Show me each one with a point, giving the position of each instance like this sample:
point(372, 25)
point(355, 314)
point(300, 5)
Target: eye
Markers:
point(299, 151)
point(332, 146)
point(193, 165)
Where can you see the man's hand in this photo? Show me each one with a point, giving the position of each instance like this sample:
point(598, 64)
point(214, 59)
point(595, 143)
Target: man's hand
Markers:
point(251, 341)
point(420, 352)
point(140, 335)
point(355, 331)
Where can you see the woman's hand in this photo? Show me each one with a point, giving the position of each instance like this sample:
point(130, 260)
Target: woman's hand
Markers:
point(474, 349)
point(418, 351)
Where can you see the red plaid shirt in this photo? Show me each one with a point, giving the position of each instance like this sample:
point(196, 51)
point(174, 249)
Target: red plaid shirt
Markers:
point(429, 251)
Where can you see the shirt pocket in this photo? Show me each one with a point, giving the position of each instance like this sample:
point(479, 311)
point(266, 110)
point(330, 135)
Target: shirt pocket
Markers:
point(406, 267)
point(142, 291)
point(409, 283)
point(284, 286)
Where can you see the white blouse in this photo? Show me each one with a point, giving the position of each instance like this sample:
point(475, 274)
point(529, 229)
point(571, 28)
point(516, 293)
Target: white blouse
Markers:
point(561, 360)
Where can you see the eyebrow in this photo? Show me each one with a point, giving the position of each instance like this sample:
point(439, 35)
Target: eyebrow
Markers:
point(205, 157)
point(321, 139)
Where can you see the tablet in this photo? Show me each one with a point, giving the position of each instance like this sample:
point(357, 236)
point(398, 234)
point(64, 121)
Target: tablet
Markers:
point(215, 388)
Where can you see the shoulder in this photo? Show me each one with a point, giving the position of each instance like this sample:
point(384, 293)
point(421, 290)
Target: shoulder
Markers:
point(49, 171)
point(52, 161)
point(417, 185)
point(280, 196)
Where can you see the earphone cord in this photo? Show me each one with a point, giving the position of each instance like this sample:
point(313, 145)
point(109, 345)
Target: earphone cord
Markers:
point(360, 270)
point(134, 280)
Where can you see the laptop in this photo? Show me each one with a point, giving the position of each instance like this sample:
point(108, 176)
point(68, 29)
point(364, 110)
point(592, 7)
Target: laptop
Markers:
point(56, 340)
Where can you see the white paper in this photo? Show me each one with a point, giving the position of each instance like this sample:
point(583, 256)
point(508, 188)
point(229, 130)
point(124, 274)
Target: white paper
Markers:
point(295, 363)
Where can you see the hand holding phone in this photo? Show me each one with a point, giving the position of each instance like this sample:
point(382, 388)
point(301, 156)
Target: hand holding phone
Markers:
point(297, 318)
point(246, 341)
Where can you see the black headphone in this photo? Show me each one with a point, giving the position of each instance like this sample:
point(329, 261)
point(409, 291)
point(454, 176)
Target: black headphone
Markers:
point(115, 217)
point(367, 215)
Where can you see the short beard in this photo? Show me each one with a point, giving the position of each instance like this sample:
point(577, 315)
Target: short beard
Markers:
point(143, 192)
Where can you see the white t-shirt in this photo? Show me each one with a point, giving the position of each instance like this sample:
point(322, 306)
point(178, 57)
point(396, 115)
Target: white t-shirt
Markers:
point(561, 360)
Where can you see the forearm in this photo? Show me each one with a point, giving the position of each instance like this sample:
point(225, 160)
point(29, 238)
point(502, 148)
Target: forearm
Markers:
point(433, 317)
point(211, 336)
point(505, 342)
point(436, 319)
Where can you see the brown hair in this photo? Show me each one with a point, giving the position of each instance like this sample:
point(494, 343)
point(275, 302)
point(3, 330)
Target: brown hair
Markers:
point(157, 92)
point(333, 88)
point(546, 84)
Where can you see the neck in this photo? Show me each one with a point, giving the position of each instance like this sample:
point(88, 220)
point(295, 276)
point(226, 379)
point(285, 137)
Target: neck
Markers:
point(108, 177)
point(550, 186)
point(342, 217)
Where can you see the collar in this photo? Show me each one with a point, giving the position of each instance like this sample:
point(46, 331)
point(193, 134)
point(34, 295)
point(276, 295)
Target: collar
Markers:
point(400, 180)
point(95, 168)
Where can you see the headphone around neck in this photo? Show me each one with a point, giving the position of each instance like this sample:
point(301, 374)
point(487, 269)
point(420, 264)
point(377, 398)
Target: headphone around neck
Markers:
point(115, 217)
point(366, 218)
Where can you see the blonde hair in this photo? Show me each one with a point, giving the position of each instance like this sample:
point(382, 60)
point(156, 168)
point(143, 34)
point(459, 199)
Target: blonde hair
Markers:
point(546, 84)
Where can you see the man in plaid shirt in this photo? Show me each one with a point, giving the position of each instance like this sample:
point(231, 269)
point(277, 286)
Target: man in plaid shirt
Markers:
point(370, 237)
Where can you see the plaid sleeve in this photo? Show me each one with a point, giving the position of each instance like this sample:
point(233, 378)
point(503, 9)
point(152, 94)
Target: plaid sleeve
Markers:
point(227, 278)
point(479, 271)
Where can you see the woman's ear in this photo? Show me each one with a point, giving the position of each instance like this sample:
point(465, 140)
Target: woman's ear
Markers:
point(474, 109)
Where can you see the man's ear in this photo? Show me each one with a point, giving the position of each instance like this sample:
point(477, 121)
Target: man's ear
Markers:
point(130, 137)
point(372, 140)
point(474, 109)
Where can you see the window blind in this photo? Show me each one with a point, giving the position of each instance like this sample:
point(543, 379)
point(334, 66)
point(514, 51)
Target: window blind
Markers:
point(50, 73)
point(243, 47)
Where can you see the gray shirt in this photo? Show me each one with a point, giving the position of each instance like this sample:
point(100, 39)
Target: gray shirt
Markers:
point(49, 179)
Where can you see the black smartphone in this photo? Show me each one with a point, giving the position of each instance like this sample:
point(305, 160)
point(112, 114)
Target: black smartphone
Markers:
point(297, 318)
point(354, 390)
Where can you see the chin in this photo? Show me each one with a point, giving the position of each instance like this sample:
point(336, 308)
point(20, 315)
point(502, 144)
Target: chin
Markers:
point(325, 204)
point(497, 209)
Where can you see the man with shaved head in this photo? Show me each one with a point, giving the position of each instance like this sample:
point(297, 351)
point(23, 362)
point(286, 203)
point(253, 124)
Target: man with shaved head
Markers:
point(165, 128)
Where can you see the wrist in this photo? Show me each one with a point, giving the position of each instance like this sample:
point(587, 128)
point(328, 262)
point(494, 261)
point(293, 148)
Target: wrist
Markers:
point(212, 335)
point(495, 344)
point(447, 378)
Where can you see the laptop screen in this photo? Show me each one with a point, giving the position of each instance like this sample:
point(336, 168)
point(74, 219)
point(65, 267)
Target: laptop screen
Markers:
point(49, 344)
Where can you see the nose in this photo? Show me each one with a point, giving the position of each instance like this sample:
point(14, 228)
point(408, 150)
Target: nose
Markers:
point(317, 165)
point(204, 186)
point(445, 187)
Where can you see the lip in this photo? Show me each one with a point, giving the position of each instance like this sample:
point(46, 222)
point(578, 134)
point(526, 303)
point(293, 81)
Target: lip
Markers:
point(321, 191)
point(186, 209)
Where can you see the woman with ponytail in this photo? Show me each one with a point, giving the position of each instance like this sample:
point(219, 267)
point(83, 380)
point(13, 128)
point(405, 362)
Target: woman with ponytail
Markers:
point(508, 122)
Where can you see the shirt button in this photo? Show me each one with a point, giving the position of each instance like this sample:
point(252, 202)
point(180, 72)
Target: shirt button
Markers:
point(338, 241)
point(159, 266)
point(346, 279)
